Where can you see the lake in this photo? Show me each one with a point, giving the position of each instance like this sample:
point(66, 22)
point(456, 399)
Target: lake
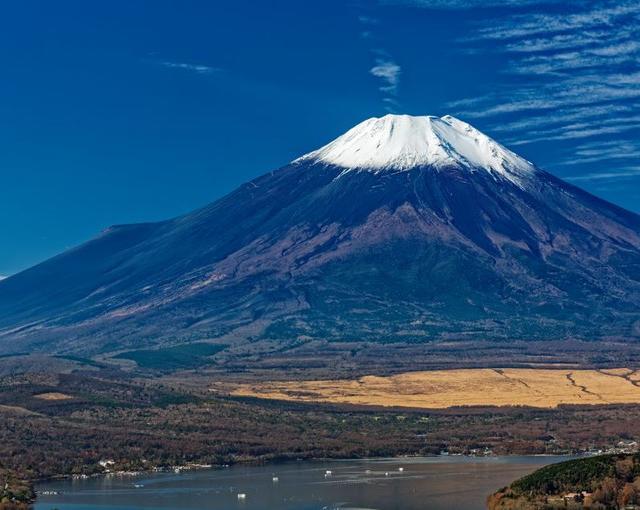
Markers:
point(434, 483)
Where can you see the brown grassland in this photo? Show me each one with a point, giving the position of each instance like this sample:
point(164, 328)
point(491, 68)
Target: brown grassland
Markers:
point(53, 395)
point(440, 389)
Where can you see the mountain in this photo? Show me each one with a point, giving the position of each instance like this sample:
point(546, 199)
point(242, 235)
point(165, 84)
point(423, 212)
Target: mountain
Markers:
point(403, 232)
point(603, 481)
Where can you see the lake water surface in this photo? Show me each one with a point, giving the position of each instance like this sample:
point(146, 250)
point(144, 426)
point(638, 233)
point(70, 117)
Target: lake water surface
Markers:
point(429, 483)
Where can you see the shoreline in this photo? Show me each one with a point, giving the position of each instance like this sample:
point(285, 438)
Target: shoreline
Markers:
point(374, 472)
point(178, 469)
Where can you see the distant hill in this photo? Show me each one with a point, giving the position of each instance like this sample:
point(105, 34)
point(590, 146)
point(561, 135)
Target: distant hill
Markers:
point(602, 482)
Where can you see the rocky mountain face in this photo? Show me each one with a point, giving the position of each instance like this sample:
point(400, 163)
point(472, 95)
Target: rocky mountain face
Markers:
point(404, 231)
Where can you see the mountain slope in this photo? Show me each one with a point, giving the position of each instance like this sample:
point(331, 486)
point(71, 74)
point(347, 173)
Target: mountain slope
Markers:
point(403, 230)
point(605, 481)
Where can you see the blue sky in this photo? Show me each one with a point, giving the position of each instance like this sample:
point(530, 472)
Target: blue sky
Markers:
point(126, 111)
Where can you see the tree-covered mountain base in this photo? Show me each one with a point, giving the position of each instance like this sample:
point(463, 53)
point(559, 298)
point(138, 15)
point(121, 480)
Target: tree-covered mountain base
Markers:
point(602, 482)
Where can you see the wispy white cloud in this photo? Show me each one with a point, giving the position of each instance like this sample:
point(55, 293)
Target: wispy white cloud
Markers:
point(195, 68)
point(589, 55)
point(572, 134)
point(586, 128)
point(391, 103)
point(568, 74)
point(466, 4)
point(385, 69)
point(591, 89)
point(604, 151)
point(561, 117)
point(590, 15)
point(389, 72)
point(368, 20)
point(554, 42)
point(619, 156)
point(615, 175)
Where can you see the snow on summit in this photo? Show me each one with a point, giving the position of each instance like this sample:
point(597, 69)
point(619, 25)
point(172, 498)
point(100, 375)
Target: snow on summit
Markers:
point(403, 142)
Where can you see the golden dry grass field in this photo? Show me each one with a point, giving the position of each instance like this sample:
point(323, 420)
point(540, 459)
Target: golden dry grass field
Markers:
point(53, 396)
point(440, 389)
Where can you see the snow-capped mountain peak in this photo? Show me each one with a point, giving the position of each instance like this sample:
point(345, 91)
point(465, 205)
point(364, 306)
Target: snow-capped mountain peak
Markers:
point(417, 229)
point(403, 142)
